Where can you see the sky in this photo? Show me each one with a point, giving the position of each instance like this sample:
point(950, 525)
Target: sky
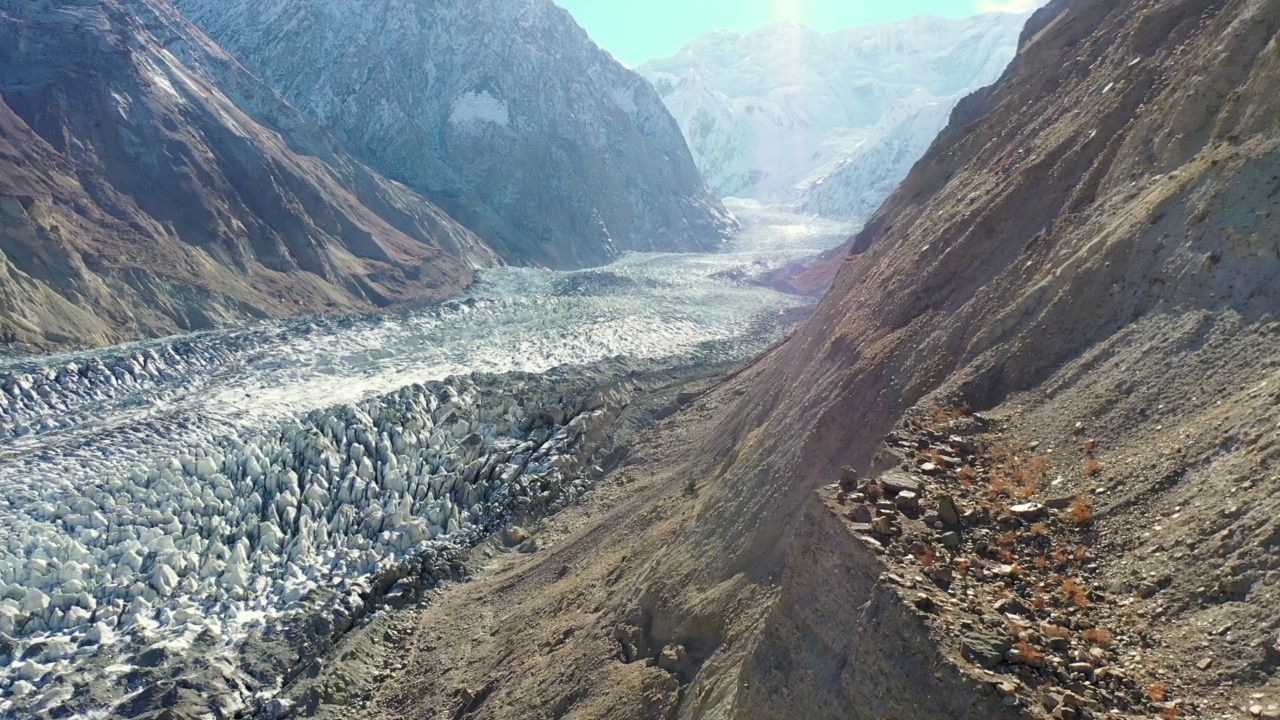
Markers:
point(637, 31)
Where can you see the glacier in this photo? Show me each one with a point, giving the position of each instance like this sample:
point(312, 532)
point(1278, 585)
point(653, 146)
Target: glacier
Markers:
point(169, 506)
point(828, 124)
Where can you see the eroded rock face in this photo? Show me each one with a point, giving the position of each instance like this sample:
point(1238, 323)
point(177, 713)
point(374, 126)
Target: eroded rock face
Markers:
point(151, 185)
point(504, 112)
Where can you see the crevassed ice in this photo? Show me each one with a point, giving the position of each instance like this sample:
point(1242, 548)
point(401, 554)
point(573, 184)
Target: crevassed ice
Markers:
point(204, 486)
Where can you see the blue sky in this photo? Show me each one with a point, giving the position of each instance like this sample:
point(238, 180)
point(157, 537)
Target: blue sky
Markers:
point(639, 30)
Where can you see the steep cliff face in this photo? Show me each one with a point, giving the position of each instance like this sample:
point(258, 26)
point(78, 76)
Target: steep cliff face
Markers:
point(504, 112)
point(1087, 256)
point(151, 185)
point(829, 122)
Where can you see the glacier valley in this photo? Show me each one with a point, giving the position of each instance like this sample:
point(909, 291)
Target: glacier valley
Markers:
point(195, 515)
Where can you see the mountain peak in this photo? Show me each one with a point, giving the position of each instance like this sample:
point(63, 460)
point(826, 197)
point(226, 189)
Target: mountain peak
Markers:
point(503, 111)
point(829, 122)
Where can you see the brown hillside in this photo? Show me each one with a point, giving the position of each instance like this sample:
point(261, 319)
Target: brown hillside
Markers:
point(1089, 258)
point(149, 185)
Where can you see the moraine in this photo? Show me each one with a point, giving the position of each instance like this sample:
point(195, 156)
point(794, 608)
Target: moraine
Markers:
point(172, 507)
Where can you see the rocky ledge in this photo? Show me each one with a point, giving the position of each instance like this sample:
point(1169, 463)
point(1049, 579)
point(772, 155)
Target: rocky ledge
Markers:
point(975, 538)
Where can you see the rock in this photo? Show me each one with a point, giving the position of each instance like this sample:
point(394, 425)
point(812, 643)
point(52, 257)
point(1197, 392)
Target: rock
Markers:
point(929, 468)
point(942, 574)
point(950, 539)
point(883, 525)
point(153, 657)
point(1205, 664)
point(675, 660)
point(1075, 701)
point(947, 511)
point(924, 603)
point(860, 514)
point(515, 535)
point(1028, 511)
point(1011, 606)
point(896, 482)
point(986, 649)
point(848, 479)
point(906, 501)
point(1051, 700)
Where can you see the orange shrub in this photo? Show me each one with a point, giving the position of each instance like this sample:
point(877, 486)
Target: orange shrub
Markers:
point(1075, 593)
point(1081, 510)
point(1098, 636)
point(1092, 468)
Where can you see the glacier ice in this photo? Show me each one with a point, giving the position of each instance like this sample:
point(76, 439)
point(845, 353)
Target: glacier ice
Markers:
point(204, 490)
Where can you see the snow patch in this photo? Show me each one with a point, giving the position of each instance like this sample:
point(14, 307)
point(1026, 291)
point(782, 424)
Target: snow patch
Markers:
point(625, 99)
point(159, 79)
point(479, 107)
point(122, 104)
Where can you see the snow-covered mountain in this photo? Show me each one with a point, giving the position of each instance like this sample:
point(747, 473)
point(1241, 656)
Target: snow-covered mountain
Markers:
point(502, 111)
point(828, 122)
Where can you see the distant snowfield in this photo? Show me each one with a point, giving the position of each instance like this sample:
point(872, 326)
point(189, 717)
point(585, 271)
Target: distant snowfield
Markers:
point(179, 494)
point(827, 123)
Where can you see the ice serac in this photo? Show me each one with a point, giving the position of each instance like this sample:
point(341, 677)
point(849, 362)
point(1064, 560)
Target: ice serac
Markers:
point(149, 184)
point(503, 111)
point(828, 122)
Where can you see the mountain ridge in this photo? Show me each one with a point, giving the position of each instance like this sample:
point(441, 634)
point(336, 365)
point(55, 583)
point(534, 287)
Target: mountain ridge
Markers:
point(826, 122)
point(139, 199)
point(466, 102)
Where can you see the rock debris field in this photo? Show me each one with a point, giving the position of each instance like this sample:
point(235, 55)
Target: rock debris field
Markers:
point(192, 516)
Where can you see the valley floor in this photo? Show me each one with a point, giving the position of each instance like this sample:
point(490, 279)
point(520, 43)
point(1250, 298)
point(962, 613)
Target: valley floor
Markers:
point(182, 517)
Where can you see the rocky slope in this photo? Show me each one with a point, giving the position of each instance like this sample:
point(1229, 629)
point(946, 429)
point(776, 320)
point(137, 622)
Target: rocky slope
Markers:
point(1069, 304)
point(830, 122)
point(149, 185)
point(503, 112)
